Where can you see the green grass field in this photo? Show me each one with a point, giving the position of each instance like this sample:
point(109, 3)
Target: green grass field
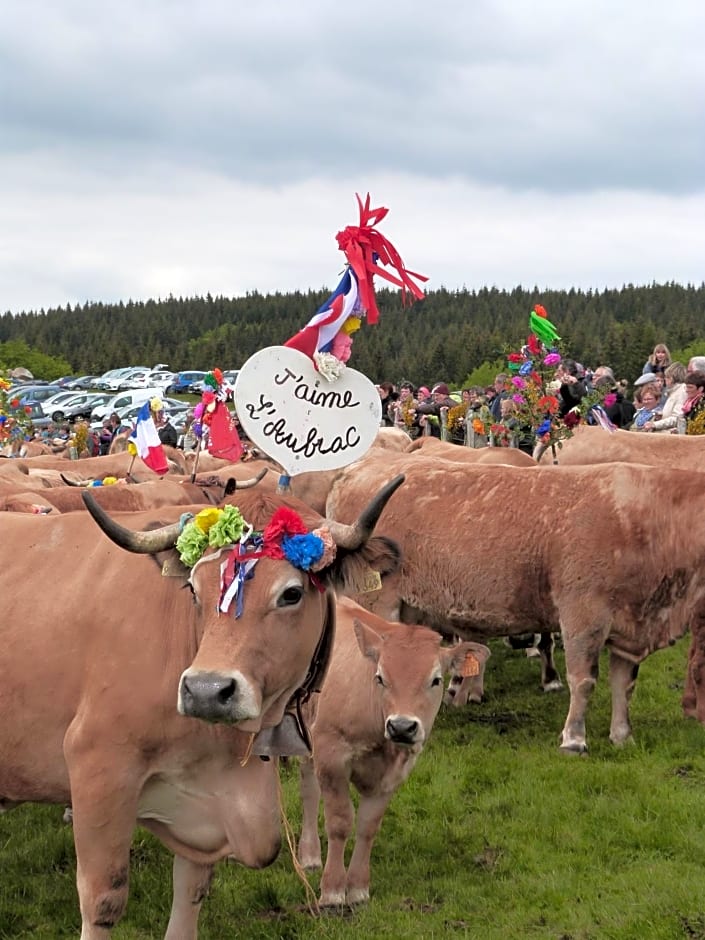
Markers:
point(496, 835)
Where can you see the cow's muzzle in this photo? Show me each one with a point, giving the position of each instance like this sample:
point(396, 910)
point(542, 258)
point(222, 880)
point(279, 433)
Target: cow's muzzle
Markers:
point(210, 696)
point(401, 729)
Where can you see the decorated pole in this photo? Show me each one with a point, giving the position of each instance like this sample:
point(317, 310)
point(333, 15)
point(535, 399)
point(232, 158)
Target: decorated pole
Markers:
point(300, 403)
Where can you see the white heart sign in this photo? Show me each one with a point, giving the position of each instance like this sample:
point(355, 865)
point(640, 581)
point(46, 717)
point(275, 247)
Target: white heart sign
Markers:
point(299, 418)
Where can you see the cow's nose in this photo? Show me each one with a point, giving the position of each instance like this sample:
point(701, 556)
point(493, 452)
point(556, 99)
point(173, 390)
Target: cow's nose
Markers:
point(402, 730)
point(208, 695)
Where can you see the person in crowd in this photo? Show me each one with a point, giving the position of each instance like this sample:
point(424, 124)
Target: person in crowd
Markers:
point(572, 389)
point(658, 361)
point(403, 410)
point(648, 407)
point(105, 438)
point(115, 423)
point(617, 407)
point(523, 436)
point(675, 398)
point(501, 391)
point(166, 430)
point(695, 398)
point(388, 396)
point(696, 364)
point(423, 393)
point(430, 412)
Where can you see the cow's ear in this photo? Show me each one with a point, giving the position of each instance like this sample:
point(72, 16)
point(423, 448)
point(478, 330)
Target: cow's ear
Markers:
point(171, 565)
point(350, 572)
point(370, 643)
point(465, 659)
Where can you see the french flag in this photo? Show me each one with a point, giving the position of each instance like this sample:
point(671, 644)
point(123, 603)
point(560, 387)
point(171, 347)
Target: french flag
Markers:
point(146, 440)
point(321, 329)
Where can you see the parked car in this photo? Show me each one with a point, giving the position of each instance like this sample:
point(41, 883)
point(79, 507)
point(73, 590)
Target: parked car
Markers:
point(37, 393)
point(142, 379)
point(81, 382)
point(34, 412)
point(111, 379)
point(49, 403)
point(123, 400)
point(184, 381)
point(80, 406)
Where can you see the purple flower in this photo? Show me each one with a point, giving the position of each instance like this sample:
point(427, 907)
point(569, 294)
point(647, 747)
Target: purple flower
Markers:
point(519, 399)
point(518, 382)
point(552, 359)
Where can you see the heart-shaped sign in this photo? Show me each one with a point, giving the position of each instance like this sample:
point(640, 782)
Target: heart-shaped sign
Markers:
point(299, 418)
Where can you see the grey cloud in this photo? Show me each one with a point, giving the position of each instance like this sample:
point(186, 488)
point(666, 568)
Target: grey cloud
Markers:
point(540, 98)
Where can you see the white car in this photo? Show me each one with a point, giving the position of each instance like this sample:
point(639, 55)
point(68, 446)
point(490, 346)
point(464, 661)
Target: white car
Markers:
point(142, 379)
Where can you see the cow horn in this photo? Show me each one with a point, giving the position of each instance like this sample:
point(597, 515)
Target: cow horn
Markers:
point(143, 543)
point(72, 483)
point(247, 484)
point(355, 535)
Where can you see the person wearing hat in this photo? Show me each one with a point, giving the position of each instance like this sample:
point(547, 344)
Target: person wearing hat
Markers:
point(430, 411)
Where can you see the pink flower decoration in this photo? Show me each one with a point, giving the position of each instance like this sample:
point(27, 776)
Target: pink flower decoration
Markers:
point(518, 382)
point(552, 359)
point(519, 399)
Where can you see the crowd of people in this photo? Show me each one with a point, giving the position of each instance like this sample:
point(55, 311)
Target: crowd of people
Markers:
point(668, 397)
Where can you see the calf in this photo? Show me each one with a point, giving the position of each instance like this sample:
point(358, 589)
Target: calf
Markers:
point(369, 724)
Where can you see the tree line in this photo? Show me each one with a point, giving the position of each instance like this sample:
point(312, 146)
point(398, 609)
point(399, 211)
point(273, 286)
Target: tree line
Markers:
point(451, 335)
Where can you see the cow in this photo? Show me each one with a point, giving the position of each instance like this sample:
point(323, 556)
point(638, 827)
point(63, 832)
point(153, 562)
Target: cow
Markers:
point(368, 727)
point(432, 446)
point(107, 682)
point(593, 445)
point(611, 559)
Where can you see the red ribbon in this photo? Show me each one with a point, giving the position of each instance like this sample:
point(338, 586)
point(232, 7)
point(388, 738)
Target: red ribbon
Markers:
point(360, 243)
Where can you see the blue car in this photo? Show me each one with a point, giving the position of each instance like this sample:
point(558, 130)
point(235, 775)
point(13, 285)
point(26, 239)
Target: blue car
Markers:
point(184, 381)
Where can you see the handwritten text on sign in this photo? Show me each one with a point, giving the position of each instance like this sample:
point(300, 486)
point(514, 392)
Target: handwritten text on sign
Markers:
point(299, 418)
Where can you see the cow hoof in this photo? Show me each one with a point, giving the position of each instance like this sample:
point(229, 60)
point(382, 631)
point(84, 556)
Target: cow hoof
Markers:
point(333, 903)
point(356, 896)
point(622, 740)
point(573, 747)
point(475, 699)
point(555, 686)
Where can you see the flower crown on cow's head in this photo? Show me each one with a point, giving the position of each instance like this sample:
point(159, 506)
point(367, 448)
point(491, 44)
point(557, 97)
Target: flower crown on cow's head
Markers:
point(284, 537)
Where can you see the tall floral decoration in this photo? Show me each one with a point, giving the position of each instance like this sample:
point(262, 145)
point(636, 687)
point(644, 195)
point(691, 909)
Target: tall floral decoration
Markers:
point(535, 383)
point(14, 420)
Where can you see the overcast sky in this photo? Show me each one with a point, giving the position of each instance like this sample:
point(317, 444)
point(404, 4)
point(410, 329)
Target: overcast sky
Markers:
point(156, 147)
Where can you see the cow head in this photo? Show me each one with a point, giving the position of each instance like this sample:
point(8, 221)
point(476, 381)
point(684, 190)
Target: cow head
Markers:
point(409, 668)
point(247, 668)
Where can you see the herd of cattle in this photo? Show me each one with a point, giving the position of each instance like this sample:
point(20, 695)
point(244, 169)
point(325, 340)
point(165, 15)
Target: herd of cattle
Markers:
point(107, 683)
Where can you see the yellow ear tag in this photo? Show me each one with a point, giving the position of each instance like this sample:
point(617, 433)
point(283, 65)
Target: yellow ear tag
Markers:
point(369, 581)
point(471, 666)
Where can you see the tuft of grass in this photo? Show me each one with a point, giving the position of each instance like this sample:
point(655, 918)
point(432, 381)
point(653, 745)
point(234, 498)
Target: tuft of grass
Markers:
point(495, 835)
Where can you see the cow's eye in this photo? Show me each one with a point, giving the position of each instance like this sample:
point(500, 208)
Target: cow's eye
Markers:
point(290, 597)
point(378, 679)
point(437, 680)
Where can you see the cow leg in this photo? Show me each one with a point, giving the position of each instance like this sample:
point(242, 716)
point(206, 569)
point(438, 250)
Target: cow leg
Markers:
point(623, 675)
point(102, 835)
point(369, 818)
point(582, 668)
point(550, 680)
point(191, 884)
point(309, 850)
point(689, 701)
point(339, 816)
point(104, 801)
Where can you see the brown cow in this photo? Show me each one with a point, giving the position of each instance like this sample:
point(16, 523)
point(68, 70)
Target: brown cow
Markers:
point(104, 732)
point(610, 558)
point(369, 725)
point(590, 445)
point(432, 446)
